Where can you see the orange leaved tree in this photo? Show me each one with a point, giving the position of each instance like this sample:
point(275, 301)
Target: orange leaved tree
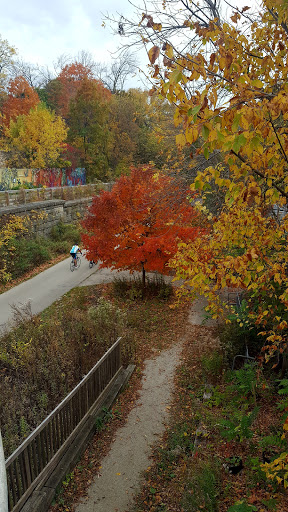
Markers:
point(138, 225)
point(20, 99)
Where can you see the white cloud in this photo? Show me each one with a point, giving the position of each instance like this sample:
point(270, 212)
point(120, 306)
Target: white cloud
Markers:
point(43, 30)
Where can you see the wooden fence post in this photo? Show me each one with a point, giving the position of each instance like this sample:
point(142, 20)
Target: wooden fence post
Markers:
point(3, 481)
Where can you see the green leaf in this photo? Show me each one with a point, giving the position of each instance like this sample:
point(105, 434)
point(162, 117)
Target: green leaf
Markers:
point(193, 111)
point(220, 136)
point(239, 141)
point(206, 153)
point(255, 142)
point(205, 132)
point(242, 507)
point(257, 83)
point(236, 121)
point(206, 186)
point(198, 184)
point(175, 76)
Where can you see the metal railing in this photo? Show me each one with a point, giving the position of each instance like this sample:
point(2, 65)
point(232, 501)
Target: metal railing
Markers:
point(37, 456)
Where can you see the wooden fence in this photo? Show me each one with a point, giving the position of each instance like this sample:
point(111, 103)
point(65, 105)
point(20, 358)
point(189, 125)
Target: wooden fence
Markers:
point(37, 456)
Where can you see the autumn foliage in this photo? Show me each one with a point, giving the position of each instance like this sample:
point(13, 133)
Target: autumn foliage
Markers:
point(230, 91)
point(20, 99)
point(138, 225)
point(36, 139)
point(67, 84)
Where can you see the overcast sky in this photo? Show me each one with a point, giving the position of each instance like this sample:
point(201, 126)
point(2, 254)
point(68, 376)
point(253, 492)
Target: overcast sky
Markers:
point(42, 30)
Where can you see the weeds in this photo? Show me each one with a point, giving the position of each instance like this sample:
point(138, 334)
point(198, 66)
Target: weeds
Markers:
point(45, 356)
point(132, 289)
point(203, 488)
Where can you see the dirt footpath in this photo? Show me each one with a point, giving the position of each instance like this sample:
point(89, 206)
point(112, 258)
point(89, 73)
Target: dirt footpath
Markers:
point(122, 469)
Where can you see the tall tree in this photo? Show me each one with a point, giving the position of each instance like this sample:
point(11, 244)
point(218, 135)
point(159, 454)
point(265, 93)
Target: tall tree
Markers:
point(64, 88)
point(115, 75)
point(138, 225)
point(246, 246)
point(35, 140)
point(88, 127)
point(142, 130)
point(31, 72)
point(6, 60)
point(21, 97)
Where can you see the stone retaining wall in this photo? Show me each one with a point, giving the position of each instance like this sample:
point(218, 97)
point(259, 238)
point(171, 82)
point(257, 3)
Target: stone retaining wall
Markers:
point(55, 211)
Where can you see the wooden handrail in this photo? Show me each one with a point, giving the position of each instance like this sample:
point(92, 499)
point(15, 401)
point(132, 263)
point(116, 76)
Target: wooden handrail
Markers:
point(60, 406)
point(39, 453)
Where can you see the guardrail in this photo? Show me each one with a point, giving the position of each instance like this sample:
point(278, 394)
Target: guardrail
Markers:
point(35, 459)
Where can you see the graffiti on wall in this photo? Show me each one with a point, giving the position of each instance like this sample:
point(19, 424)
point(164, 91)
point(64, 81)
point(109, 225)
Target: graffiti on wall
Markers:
point(60, 177)
point(10, 178)
point(76, 177)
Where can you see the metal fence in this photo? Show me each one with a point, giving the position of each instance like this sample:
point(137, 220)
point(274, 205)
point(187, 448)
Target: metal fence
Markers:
point(38, 455)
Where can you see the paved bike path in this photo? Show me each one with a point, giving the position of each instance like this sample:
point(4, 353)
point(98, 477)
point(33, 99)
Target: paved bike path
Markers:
point(42, 290)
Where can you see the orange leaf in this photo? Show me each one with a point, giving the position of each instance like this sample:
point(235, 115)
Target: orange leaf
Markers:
point(153, 54)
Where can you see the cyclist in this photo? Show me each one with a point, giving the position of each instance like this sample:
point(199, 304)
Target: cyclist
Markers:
point(74, 251)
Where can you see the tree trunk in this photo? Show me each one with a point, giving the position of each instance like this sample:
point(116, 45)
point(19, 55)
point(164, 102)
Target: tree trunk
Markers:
point(143, 275)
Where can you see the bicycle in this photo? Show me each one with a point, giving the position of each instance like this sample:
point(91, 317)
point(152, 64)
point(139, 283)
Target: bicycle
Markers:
point(91, 263)
point(72, 263)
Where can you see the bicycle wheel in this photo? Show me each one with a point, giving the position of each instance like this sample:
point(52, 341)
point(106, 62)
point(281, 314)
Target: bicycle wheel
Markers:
point(78, 261)
point(72, 266)
point(90, 264)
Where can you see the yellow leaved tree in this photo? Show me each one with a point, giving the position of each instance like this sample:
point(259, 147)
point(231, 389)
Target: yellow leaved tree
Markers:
point(229, 85)
point(10, 229)
point(35, 140)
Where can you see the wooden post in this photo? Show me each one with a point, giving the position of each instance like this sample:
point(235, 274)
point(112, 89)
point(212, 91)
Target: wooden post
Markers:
point(3, 480)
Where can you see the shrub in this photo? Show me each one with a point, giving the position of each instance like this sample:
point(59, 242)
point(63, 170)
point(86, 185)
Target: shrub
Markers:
point(234, 341)
point(28, 254)
point(68, 232)
point(133, 288)
point(212, 367)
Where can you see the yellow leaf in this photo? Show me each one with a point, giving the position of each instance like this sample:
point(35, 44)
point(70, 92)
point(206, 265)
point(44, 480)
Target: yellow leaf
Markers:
point(191, 135)
point(169, 51)
point(222, 63)
point(180, 140)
